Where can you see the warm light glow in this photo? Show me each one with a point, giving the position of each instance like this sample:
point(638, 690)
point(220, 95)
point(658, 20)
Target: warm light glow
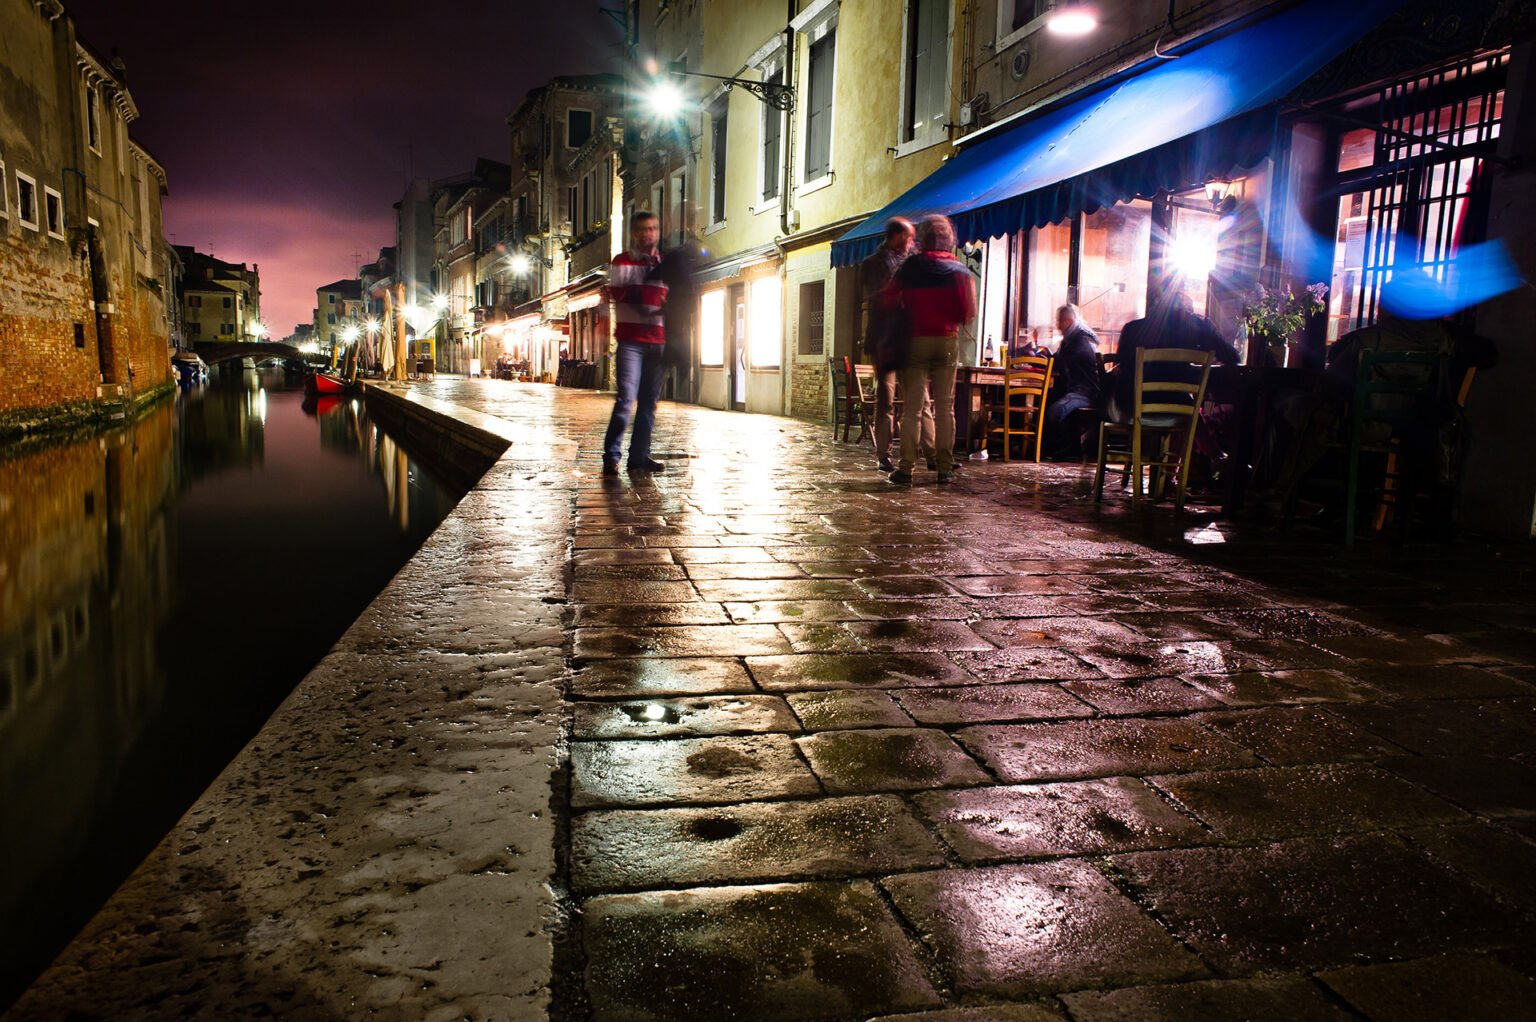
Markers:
point(373, 326)
point(665, 99)
point(258, 330)
point(520, 263)
point(712, 328)
point(350, 332)
point(1216, 190)
point(1194, 257)
point(764, 332)
point(1071, 19)
point(440, 302)
point(655, 711)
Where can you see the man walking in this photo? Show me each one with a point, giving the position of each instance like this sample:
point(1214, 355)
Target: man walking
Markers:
point(934, 291)
point(638, 295)
point(875, 274)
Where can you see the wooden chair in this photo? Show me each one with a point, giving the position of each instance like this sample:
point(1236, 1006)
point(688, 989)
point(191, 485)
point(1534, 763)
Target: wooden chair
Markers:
point(841, 376)
point(1164, 411)
point(1026, 386)
point(864, 388)
point(1394, 401)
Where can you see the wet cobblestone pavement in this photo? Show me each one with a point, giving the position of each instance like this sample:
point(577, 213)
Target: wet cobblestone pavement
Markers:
point(842, 750)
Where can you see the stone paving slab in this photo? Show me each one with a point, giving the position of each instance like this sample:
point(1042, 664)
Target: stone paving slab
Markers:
point(1450, 986)
point(810, 746)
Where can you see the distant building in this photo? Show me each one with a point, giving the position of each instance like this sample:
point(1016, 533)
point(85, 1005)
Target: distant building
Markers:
point(456, 206)
point(84, 274)
point(219, 301)
point(338, 305)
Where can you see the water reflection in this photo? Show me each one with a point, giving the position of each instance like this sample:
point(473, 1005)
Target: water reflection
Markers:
point(162, 587)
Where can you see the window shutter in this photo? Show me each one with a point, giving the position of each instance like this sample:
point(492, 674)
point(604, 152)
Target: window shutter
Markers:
point(818, 118)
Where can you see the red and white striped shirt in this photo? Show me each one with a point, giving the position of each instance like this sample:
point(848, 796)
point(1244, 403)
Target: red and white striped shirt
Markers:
point(637, 295)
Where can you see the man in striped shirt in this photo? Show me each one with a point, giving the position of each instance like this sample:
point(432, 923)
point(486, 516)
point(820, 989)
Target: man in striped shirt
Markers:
point(638, 295)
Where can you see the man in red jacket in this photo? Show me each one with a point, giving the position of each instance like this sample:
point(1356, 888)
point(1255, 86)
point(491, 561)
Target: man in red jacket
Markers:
point(935, 291)
point(638, 294)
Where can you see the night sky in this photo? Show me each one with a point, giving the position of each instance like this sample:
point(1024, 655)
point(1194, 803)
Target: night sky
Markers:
point(288, 129)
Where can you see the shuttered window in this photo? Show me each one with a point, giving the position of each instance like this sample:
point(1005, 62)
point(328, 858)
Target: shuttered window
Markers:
point(773, 133)
point(818, 115)
point(927, 68)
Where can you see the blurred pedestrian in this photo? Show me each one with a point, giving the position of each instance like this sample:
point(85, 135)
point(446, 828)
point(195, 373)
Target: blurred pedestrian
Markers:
point(639, 296)
point(885, 340)
point(934, 292)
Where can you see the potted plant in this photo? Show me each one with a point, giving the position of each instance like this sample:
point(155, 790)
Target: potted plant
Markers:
point(1273, 316)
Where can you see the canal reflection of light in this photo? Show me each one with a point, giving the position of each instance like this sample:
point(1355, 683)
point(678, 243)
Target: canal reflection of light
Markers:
point(261, 404)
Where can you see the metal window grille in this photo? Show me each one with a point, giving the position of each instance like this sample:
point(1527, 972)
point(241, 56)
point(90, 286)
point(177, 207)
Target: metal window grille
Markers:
point(1418, 198)
point(813, 315)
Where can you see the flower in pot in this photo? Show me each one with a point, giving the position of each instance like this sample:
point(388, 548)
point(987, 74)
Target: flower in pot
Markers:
point(1273, 316)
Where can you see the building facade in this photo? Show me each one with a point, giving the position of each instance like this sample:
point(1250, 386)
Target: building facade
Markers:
point(84, 276)
point(219, 301)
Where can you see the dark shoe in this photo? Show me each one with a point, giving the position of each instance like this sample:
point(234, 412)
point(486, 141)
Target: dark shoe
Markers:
point(644, 465)
point(885, 463)
point(946, 477)
point(902, 477)
point(610, 466)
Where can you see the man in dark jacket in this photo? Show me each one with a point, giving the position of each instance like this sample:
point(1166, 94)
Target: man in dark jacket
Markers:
point(875, 275)
point(1172, 323)
point(1074, 382)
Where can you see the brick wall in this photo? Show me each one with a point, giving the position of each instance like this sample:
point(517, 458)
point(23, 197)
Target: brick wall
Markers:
point(42, 297)
point(808, 391)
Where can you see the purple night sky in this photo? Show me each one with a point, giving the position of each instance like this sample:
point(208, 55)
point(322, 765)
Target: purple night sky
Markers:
point(288, 129)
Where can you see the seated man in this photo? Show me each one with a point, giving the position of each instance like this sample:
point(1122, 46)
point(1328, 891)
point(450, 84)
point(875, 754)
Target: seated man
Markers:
point(1171, 323)
point(1074, 384)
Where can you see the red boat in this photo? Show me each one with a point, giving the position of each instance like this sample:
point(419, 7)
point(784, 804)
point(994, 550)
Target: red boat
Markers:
point(325, 383)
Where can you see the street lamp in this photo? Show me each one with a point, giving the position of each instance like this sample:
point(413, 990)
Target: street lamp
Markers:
point(1070, 18)
point(666, 99)
point(350, 332)
point(258, 329)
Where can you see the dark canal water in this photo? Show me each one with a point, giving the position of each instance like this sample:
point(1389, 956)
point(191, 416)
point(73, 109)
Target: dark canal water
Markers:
point(162, 588)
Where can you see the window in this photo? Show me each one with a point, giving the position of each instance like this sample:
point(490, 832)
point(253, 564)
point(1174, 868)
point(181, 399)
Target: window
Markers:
point(26, 200)
point(813, 311)
point(578, 128)
point(93, 119)
point(226, 303)
point(818, 109)
point(586, 203)
point(1013, 15)
point(925, 78)
point(773, 134)
point(226, 329)
point(330, 318)
point(658, 206)
point(330, 300)
point(194, 301)
point(1112, 277)
point(53, 209)
point(5, 195)
point(676, 210)
point(765, 330)
point(717, 140)
point(195, 329)
point(712, 328)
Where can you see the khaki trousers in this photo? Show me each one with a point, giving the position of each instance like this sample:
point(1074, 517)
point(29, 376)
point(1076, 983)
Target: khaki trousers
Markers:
point(885, 416)
point(931, 366)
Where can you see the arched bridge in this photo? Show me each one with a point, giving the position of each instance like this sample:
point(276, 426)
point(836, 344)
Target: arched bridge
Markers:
point(215, 352)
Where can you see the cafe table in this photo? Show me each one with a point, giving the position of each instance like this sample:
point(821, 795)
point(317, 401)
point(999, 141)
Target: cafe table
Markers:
point(977, 388)
point(1251, 391)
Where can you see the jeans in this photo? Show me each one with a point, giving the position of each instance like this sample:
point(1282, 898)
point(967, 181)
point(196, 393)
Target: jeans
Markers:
point(640, 371)
point(931, 366)
point(1058, 415)
point(885, 416)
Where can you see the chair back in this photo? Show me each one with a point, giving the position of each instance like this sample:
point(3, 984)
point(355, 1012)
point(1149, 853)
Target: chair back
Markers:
point(1391, 386)
point(1028, 374)
point(837, 372)
point(1173, 394)
point(865, 383)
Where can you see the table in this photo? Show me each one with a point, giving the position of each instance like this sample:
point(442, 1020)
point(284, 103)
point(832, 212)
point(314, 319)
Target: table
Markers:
point(1251, 390)
point(976, 387)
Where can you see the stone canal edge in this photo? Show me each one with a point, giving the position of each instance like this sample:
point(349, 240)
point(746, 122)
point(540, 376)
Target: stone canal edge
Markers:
point(388, 842)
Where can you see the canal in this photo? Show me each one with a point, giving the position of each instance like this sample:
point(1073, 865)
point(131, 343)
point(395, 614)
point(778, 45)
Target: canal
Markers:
point(163, 587)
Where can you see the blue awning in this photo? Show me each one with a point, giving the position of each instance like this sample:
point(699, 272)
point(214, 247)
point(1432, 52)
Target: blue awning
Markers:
point(1168, 125)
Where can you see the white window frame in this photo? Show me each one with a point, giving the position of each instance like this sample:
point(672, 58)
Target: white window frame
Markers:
point(21, 216)
point(815, 23)
point(5, 195)
point(769, 61)
point(591, 125)
point(721, 160)
point(936, 133)
point(1006, 34)
point(93, 104)
point(50, 193)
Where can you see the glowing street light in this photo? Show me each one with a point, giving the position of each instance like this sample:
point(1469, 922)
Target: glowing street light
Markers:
point(440, 303)
point(258, 329)
point(350, 332)
point(665, 100)
point(1071, 19)
point(520, 263)
point(373, 326)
